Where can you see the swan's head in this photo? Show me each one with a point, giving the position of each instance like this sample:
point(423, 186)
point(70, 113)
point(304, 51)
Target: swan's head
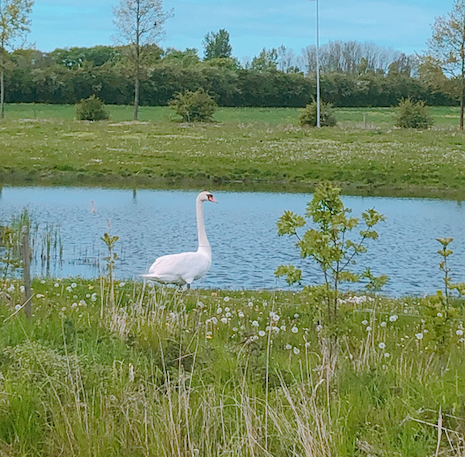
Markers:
point(206, 196)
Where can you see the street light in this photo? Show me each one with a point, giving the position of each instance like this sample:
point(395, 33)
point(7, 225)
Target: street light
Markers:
point(318, 124)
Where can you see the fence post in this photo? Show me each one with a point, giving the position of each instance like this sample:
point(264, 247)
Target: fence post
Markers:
point(26, 269)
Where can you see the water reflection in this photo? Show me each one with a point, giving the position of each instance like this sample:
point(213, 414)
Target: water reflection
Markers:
point(242, 232)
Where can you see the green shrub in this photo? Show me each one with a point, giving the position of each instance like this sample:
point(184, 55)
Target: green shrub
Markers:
point(194, 106)
point(411, 115)
point(91, 109)
point(308, 115)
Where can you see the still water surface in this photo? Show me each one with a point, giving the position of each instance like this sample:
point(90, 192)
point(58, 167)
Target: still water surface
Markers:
point(241, 230)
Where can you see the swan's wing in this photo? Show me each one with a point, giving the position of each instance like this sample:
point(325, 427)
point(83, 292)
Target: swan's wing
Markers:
point(179, 268)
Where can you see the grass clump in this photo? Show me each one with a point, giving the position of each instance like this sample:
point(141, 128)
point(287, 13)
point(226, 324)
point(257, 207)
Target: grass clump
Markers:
point(411, 115)
point(91, 109)
point(196, 106)
point(309, 116)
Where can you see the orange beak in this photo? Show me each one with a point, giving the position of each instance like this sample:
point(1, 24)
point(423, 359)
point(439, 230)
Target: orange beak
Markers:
point(211, 199)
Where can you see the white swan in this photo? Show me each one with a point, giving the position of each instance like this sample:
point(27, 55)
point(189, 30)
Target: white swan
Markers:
point(186, 267)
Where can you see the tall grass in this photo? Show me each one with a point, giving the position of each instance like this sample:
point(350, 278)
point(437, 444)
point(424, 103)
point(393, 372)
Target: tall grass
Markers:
point(208, 373)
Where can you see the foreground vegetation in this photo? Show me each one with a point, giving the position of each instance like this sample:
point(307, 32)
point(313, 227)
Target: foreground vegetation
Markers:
point(262, 149)
point(163, 372)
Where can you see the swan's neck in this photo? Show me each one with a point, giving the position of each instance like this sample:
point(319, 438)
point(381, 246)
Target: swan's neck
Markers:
point(203, 240)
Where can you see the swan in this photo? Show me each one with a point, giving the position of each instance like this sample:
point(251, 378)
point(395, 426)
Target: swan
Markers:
point(186, 267)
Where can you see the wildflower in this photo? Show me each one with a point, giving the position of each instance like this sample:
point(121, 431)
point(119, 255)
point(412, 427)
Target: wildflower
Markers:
point(383, 324)
point(365, 322)
point(74, 285)
point(226, 299)
point(294, 329)
point(419, 336)
point(240, 314)
point(381, 345)
point(261, 333)
point(224, 320)
point(219, 310)
point(393, 318)
point(17, 307)
point(296, 351)
point(387, 355)
point(368, 329)
point(254, 323)
point(288, 347)
point(228, 314)
point(227, 309)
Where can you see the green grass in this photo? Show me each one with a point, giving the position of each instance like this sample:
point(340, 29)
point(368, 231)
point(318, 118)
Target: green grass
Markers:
point(250, 148)
point(169, 373)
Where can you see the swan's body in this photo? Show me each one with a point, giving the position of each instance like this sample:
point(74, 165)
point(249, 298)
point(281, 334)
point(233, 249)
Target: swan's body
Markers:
point(186, 267)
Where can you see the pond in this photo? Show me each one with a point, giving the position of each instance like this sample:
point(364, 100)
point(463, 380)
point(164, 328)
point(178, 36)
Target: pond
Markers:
point(241, 230)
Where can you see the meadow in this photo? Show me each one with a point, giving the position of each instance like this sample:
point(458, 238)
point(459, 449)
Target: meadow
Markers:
point(244, 149)
point(156, 371)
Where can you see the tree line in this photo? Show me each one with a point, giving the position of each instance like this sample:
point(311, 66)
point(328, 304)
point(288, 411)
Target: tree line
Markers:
point(66, 76)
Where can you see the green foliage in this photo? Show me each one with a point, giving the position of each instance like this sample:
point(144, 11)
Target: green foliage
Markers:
point(329, 244)
point(91, 109)
point(411, 115)
point(308, 115)
point(217, 45)
point(194, 106)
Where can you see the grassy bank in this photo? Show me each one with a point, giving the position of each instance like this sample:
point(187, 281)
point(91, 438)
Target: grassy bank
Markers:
point(258, 149)
point(209, 373)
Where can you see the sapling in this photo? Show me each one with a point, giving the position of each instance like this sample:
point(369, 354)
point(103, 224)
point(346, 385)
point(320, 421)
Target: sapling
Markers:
point(111, 259)
point(329, 245)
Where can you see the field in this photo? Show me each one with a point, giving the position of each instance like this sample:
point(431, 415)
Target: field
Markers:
point(157, 372)
point(250, 148)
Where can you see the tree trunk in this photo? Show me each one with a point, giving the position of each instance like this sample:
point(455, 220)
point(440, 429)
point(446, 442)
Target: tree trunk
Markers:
point(136, 98)
point(461, 108)
point(2, 88)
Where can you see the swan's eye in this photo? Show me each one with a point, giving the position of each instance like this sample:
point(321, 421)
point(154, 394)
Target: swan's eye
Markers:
point(210, 197)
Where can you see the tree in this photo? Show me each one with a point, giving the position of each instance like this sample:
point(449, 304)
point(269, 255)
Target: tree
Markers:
point(14, 22)
point(447, 47)
point(217, 45)
point(139, 24)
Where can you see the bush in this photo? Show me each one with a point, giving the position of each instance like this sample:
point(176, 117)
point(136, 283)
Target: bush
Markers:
point(194, 106)
point(308, 115)
point(91, 109)
point(411, 115)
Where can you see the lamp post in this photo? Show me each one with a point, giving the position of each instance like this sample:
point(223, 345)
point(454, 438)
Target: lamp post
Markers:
point(318, 123)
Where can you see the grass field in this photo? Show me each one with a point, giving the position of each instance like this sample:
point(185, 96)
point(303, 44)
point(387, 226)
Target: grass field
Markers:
point(221, 373)
point(262, 149)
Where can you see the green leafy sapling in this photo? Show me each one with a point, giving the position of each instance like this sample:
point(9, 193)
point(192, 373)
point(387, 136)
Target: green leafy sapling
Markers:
point(329, 244)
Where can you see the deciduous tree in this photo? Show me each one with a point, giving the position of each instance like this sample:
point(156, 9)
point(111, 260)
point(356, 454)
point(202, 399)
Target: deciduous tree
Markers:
point(14, 23)
point(447, 47)
point(139, 24)
point(217, 45)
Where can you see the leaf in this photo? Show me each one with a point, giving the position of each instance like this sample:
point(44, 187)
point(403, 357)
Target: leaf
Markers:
point(292, 273)
point(289, 222)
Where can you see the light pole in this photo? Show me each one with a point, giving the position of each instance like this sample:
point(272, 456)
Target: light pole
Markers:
point(318, 123)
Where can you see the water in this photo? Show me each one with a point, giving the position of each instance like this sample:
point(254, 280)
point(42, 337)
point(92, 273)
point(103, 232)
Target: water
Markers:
point(241, 230)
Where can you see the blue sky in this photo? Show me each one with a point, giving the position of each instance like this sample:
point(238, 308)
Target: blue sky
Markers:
point(404, 25)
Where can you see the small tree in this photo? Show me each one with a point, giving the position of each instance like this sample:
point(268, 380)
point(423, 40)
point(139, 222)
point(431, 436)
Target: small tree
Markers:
point(14, 23)
point(330, 245)
point(91, 109)
point(194, 106)
point(139, 24)
point(308, 115)
point(217, 45)
point(411, 115)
